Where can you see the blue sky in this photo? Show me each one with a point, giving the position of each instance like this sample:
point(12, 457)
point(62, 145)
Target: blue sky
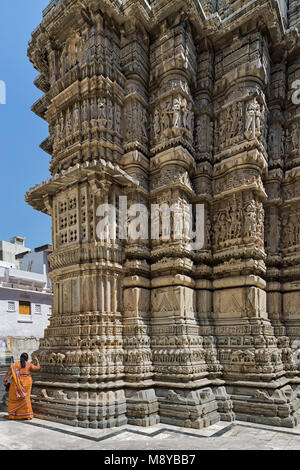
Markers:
point(23, 163)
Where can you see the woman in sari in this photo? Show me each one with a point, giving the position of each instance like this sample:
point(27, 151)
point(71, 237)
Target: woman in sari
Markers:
point(19, 404)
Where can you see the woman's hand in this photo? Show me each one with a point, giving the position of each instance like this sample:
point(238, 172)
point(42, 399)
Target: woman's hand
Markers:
point(35, 358)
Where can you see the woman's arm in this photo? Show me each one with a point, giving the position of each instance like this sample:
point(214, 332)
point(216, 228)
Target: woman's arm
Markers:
point(7, 376)
point(37, 367)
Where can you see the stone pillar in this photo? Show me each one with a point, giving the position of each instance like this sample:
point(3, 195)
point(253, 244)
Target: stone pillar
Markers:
point(82, 371)
point(142, 406)
point(249, 351)
point(179, 357)
point(290, 212)
point(203, 184)
point(273, 228)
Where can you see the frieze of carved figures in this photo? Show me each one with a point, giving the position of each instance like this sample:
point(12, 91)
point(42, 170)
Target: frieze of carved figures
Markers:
point(239, 220)
point(172, 174)
point(291, 229)
point(244, 356)
point(95, 112)
point(71, 53)
point(266, 356)
point(177, 341)
point(173, 118)
point(236, 179)
point(182, 356)
point(171, 86)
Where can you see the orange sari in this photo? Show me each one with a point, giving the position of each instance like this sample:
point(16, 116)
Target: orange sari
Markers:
point(19, 404)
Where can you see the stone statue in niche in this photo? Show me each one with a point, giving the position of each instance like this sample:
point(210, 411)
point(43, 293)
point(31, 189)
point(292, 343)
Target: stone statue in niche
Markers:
point(76, 117)
point(176, 114)
point(142, 119)
point(118, 119)
point(295, 136)
point(68, 123)
point(102, 112)
point(250, 219)
point(253, 120)
point(94, 113)
point(204, 134)
point(62, 127)
point(110, 119)
point(171, 118)
point(85, 111)
point(166, 117)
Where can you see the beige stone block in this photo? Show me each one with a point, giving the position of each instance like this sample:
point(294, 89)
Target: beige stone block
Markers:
point(239, 303)
point(291, 306)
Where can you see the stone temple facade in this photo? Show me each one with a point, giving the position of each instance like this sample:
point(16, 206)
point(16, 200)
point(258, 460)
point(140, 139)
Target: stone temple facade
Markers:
point(181, 103)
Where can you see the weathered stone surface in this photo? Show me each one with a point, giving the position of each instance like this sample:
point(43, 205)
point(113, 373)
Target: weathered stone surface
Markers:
point(177, 103)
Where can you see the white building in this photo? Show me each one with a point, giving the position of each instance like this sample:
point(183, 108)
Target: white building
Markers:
point(9, 250)
point(25, 303)
point(36, 262)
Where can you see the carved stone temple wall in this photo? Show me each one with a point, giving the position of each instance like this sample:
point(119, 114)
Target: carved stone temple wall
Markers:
point(178, 103)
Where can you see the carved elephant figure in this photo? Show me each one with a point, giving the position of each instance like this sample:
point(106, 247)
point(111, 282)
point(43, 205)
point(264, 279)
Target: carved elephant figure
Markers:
point(60, 358)
point(287, 355)
point(248, 356)
point(52, 358)
point(276, 357)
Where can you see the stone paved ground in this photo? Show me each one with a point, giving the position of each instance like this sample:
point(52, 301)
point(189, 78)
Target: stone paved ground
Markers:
point(44, 435)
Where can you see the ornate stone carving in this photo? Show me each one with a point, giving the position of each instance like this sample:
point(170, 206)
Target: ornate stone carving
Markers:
point(170, 105)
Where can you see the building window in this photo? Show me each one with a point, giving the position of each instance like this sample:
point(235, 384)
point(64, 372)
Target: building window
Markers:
point(11, 307)
point(38, 308)
point(24, 308)
point(50, 311)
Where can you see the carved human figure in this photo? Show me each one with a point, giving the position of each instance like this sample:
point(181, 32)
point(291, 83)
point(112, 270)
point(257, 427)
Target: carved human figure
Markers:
point(165, 118)
point(102, 112)
point(109, 115)
point(156, 123)
point(142, 117)
point(62, 126)
point(118, 118)
point(68, 123)
point(250, 220)
point(253, 120)
point(295, 136)
point(76, 117)
point(94, 113)
point(177, 113)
